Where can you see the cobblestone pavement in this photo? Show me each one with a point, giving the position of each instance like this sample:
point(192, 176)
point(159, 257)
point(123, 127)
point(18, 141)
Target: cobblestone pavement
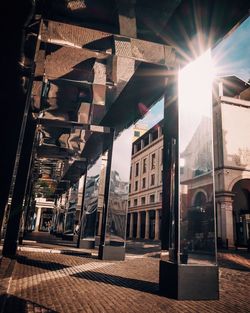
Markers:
point(52, 282)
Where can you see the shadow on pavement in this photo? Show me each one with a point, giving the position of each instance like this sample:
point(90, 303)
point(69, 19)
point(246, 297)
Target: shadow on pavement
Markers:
point(51, 266)
point(230, 264)
point(48, 239)
point(18, 305)
point(76, 253)
point(142, 247)
point(120, 281)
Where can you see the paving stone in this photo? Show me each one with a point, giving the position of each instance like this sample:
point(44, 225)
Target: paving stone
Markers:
point(50, 282)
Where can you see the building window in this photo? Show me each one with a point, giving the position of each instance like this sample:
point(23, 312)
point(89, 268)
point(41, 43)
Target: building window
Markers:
point(136, 133)
point(144, 166)
point(136, 185)
point(152, 180)
point(155, 135)
point(144, 182)
point(138, 146)
point(130, 172)
point(143, 200)
point(146, 141)
point(129, 190)
point(135, 202)
point(160, 197)
point(152, 198)
point(161, 156)
point(153, 160)
point(129, 203)
point(136, 169)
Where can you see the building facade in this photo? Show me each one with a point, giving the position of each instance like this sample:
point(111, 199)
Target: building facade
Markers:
point(145, 197)
point(232, 174)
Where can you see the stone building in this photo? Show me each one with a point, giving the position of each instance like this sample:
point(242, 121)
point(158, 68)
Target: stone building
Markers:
point(144, 206)
point(232, 172)
point(232, 161)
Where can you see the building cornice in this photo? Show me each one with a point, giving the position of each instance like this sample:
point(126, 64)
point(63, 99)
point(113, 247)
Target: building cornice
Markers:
point(147, 147)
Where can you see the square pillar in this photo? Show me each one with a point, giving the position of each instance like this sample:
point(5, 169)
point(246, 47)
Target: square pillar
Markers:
point(157, 225)
point(190, 271)
point(225, 212)
point(89, 206)
point(131, 225)
point(22, 174)
point(138, 230)
point(38, 217)
point(147, 225)
point(112, 244)
point(99, 224)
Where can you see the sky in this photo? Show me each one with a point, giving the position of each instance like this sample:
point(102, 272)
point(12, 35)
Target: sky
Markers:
point(230, 57)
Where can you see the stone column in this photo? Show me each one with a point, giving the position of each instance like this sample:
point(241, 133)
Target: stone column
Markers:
point(147, 225)
point(218, 219)
point(38, 217)
point(157, 225)
point(131, 224)
point(138, 230)
point(99, 224)
point(226, 214)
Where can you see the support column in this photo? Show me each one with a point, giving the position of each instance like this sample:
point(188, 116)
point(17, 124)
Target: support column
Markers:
point(11, 85)
point(138, 231)
point(10, 242)
point(38, 217)
point(81, 212)
point(26, 206)
point(147, 225)
point(157, 225)
point(226, 214)
point(89, 216)
point(131, 224)
point(181, 274)
point(113, 237)
point(100, 224)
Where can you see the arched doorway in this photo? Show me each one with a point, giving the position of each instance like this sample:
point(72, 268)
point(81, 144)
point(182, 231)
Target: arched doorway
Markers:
point(200, 223)
point(195, 220)
point(241, 211)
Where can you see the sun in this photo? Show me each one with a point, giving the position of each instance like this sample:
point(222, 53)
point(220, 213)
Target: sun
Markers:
point(194, 95)
point(195, 82)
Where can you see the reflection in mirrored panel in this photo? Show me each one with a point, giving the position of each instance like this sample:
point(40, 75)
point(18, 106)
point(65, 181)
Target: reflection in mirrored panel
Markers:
point(71, 209)
point(231, 55)
point(90, 208)
point(196, 189)
point(119, 189)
